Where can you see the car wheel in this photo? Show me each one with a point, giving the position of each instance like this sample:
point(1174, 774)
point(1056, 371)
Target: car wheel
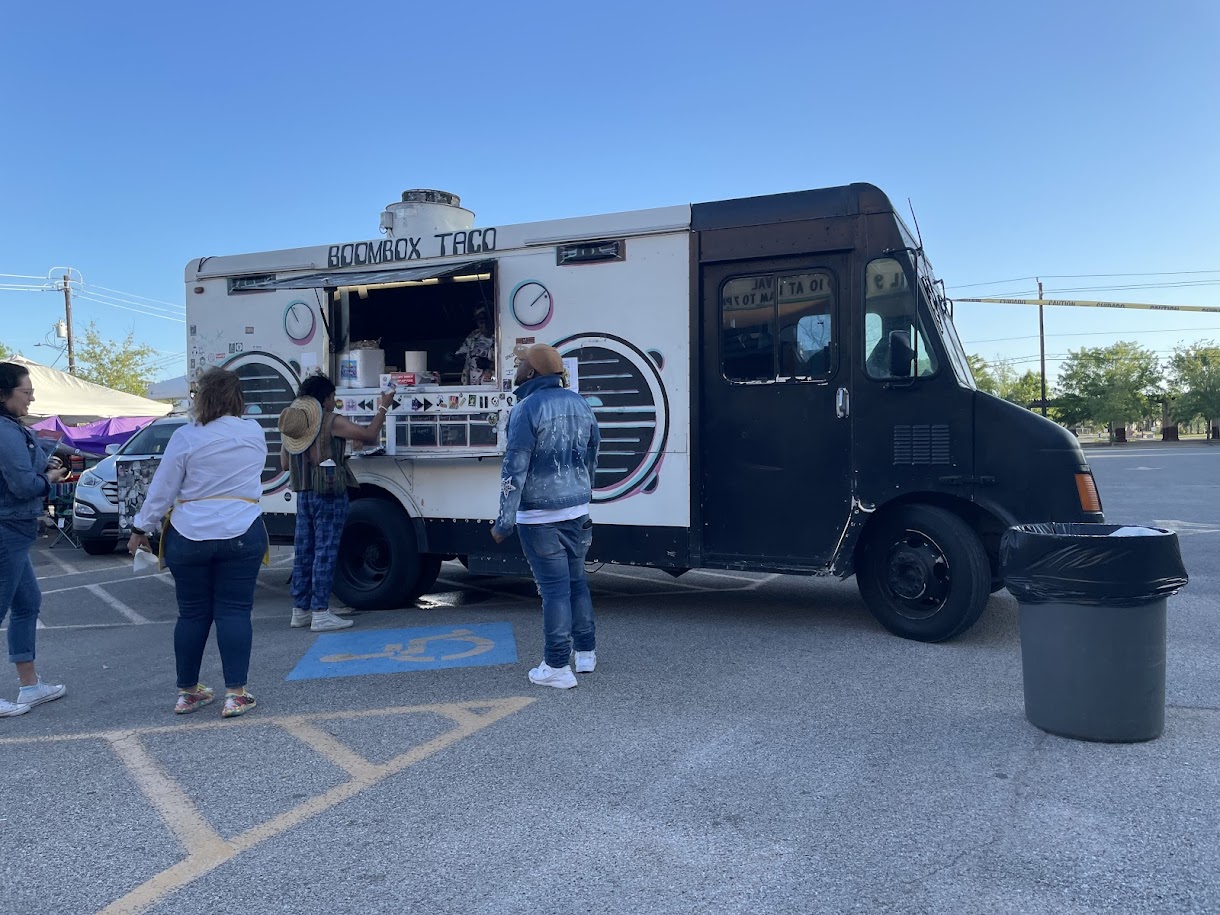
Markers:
point(98, 547)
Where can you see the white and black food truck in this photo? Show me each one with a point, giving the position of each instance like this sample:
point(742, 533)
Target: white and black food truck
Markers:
point(778, 383)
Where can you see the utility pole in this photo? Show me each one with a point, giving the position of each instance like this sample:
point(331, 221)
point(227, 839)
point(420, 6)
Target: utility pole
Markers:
point(68, 316)
point(1042, 349)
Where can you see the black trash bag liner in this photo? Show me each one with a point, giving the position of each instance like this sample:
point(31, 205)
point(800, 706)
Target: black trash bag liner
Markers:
point(1082, 563)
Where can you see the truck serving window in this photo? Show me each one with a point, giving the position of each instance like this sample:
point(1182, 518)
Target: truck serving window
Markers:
point(893, 337)
point(776, 326)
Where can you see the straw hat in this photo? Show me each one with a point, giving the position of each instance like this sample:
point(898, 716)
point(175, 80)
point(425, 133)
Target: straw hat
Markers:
point(300, 423)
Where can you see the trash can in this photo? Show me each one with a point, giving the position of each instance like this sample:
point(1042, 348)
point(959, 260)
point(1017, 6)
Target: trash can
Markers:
point(1092, 607)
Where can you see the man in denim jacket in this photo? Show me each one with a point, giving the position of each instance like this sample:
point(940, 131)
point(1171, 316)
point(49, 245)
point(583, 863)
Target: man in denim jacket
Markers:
point(545, 489)
point(28, 470)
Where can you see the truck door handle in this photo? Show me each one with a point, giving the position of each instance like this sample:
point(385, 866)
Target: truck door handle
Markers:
point(842, 403)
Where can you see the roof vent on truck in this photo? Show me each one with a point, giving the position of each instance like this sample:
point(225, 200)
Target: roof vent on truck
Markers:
point(424, 212)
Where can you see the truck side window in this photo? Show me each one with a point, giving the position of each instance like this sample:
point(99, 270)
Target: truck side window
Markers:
point(805, 307)
point(892, 334)
point(776, 326)
point(747, 328)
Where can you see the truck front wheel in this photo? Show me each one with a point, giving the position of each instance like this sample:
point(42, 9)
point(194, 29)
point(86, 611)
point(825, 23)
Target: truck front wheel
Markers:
point(923, 573)
point(379, 565)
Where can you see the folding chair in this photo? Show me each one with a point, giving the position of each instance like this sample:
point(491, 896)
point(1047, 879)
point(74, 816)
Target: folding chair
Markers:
point(60, 502)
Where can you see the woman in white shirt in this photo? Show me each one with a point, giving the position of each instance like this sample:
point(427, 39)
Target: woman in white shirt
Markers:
point(210, 476)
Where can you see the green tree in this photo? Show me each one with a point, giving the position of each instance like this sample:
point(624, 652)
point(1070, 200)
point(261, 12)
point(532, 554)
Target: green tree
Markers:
point(982, 373)
point(122, 366)
point(1025, 389)
point(1111, 385)
point(1001, 379)
point(5, 353)
point(1195, 376)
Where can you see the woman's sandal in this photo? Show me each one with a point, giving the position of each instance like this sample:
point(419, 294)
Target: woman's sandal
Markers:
point(191, 699)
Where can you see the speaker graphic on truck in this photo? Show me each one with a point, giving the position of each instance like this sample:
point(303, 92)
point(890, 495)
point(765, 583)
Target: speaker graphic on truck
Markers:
point(268, 384)
point(623, 386)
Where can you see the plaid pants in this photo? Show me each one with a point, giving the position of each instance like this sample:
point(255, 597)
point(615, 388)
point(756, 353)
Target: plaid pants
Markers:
point(320, 522)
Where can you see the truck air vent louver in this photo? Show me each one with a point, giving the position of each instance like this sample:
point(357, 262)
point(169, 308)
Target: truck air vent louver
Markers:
point(624, 389)
point(921, 445)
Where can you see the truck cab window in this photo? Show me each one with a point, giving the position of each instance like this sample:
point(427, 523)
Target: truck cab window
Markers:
point(895, 345)
point(776, 327)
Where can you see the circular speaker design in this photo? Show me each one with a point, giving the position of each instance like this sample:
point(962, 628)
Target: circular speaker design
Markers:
point(624, 388)
point(268, 384)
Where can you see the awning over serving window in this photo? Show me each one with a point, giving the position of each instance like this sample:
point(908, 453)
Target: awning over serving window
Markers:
point(336, 278)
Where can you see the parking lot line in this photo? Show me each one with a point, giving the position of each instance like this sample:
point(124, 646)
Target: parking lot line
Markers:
point(116, 604)
point(67, 567)
point(205, 849)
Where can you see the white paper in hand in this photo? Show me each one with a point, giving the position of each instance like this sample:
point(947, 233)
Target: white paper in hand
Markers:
point(144, 561)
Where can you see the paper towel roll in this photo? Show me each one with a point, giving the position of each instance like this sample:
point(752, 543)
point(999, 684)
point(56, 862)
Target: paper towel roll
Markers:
point(415, 361)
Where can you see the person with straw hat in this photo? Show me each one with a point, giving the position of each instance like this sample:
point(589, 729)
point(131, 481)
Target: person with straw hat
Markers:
point(314, 452)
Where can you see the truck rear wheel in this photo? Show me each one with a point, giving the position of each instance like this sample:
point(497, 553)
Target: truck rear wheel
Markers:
point(379, 565)
point(923, 573)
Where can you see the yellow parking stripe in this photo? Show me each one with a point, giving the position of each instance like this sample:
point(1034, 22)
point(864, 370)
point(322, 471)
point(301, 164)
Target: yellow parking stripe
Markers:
point(205, 848)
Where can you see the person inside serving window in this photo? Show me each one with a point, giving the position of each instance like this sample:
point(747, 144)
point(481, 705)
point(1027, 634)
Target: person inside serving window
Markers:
point(478, 348)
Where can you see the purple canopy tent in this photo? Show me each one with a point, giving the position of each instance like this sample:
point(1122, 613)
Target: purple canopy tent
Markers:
point(92, 438)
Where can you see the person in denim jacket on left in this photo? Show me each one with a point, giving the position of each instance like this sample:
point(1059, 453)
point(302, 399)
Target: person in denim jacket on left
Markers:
point(27, 473)
point(545, 489)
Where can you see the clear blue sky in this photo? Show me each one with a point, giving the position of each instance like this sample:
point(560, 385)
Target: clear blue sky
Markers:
point(1039, 138)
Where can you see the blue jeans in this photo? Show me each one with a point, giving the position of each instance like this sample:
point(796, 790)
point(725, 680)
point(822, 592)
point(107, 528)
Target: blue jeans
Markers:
point(214, 581)
point(320, 521)
point(19, 586)
point(556, 554)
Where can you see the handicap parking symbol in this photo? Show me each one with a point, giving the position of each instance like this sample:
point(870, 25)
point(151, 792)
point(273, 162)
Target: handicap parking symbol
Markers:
point(392, 651)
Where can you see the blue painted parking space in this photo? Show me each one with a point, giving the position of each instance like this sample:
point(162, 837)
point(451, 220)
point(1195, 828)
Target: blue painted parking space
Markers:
point(392, 651)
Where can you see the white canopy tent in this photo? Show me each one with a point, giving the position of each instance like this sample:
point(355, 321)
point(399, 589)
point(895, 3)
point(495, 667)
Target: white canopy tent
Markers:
point(75, 401)
point(170, 389)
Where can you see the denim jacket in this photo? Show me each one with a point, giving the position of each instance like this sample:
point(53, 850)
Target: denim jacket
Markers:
point(23, 460)
point(551, 454)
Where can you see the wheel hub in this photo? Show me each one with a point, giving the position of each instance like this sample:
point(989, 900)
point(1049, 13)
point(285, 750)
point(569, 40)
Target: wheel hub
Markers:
point(911, 572)
point(918, 574)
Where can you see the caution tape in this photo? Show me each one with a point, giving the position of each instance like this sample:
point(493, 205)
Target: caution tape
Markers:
point(1075, 303)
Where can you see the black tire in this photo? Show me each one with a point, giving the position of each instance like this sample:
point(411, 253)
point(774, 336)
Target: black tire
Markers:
point(923, 573)
point(379, 566)
point(98, 547)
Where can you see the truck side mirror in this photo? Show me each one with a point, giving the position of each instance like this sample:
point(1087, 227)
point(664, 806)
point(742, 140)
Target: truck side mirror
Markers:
point(902, 356)
point(113, 448)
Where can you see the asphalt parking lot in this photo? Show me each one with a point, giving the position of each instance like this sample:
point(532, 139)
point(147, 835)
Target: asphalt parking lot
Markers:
point(748, 743)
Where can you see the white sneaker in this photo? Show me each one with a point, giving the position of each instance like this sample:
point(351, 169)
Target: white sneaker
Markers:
point(324, 621)
point(586, 662)
point(300, 618)
point(341, 611)
point(39, 693)
point(12, 709)
point(560, 678)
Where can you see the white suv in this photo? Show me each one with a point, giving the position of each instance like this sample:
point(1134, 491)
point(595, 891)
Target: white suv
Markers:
point(95, 505)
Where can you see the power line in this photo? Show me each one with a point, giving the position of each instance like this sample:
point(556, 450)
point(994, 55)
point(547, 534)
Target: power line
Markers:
point(1058, 357)
point(1187, 284)
point(147, 314)
point(1093, 333)
point(133, 304)
point(1082, 276)
point(132, 295)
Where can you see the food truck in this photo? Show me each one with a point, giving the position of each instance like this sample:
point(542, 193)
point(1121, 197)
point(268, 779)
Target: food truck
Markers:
point(777, 380)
